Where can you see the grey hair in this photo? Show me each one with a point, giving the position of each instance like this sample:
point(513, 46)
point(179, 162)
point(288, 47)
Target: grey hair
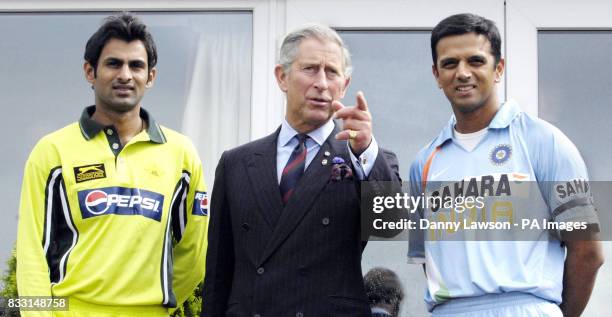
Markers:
point(289, 48)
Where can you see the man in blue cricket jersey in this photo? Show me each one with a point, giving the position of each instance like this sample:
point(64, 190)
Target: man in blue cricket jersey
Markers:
point(486, 141)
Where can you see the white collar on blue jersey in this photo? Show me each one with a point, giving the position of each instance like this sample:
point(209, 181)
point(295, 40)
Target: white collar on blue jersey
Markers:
point(319, 135)
point(502, 119)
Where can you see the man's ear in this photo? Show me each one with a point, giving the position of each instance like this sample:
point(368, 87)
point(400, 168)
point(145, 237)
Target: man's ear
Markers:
point(434, 70)
point(151, 79)
point(90, 73)
point(347, 81)
point(281, 77)
point(499, 69)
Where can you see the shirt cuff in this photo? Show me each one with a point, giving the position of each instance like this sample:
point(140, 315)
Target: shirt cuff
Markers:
point(363, 165)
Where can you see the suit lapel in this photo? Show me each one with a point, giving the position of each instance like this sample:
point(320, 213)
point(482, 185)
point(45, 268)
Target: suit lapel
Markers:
point(308, 189)
point(261, 169)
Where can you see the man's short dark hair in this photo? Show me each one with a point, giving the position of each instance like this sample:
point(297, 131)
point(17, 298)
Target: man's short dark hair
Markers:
point(123, 26)
point(459, 24)
point(383, 287)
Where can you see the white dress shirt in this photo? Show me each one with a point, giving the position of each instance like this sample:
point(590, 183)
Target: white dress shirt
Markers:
point(286, 143)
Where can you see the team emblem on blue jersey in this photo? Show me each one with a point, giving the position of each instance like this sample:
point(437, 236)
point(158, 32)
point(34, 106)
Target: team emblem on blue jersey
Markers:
point(500, 154)
point(200, 204)
point(120, 201)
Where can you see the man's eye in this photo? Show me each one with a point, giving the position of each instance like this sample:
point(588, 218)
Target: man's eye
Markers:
point(449, 64)
point(477, 62)
point(138, 65)
point(332, 73)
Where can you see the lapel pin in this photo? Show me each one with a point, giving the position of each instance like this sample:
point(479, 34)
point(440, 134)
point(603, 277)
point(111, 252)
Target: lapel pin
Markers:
point(324, 162)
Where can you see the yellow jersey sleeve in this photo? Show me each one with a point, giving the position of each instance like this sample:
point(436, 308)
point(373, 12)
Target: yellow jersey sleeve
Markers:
point(38, 197)
point(190, 246)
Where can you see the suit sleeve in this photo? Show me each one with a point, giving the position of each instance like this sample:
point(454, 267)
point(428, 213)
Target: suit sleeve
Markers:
point(386, 168)
point(190, 250)
point(220, 257)
point(32, 269)
point(382, 181)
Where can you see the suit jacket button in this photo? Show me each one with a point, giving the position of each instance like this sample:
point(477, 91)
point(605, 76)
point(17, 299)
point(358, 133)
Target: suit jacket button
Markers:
point(325, 221)
point(299, 314)
point(260, 271)
point(246, 227)
point(257, 315)
point(302, 271)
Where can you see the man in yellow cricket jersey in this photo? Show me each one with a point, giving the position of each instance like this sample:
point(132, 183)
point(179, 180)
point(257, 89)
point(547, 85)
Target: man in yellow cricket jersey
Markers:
point(114, 210)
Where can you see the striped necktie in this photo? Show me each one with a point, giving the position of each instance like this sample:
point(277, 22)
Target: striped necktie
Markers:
point(294, 169)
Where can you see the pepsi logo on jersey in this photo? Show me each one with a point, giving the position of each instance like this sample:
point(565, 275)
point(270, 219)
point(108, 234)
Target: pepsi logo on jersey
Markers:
point(200, 205)
point(120, 201)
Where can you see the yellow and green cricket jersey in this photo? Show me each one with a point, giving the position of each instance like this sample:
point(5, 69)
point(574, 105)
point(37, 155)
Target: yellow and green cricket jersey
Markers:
point(118, 229)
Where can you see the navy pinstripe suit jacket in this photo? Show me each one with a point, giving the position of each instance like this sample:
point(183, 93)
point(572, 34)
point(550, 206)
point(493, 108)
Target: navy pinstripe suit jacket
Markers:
point(301, 259)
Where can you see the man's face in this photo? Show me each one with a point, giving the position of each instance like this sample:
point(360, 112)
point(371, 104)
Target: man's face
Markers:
point(122, 75)
point(466, 71)
point(314, 80)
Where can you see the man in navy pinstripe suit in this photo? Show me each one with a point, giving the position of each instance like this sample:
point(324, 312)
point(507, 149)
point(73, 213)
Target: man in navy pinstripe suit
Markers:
point(285, 232)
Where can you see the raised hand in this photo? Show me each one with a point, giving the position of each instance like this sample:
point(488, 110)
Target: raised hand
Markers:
point(356, 124)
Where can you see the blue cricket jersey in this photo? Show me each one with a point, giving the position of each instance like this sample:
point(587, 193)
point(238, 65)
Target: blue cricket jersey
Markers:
point(517, 148)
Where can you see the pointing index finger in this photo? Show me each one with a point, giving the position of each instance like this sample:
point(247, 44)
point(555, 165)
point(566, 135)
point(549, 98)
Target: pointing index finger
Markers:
point(362, 104)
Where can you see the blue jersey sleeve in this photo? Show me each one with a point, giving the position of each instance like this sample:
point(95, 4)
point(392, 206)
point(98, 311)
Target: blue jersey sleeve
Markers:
point(562, 177)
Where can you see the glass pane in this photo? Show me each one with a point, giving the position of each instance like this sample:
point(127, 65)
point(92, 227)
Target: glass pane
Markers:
point(574, 92)
point(393, 69)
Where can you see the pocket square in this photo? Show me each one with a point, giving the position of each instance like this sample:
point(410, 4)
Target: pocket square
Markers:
point(340, 170)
